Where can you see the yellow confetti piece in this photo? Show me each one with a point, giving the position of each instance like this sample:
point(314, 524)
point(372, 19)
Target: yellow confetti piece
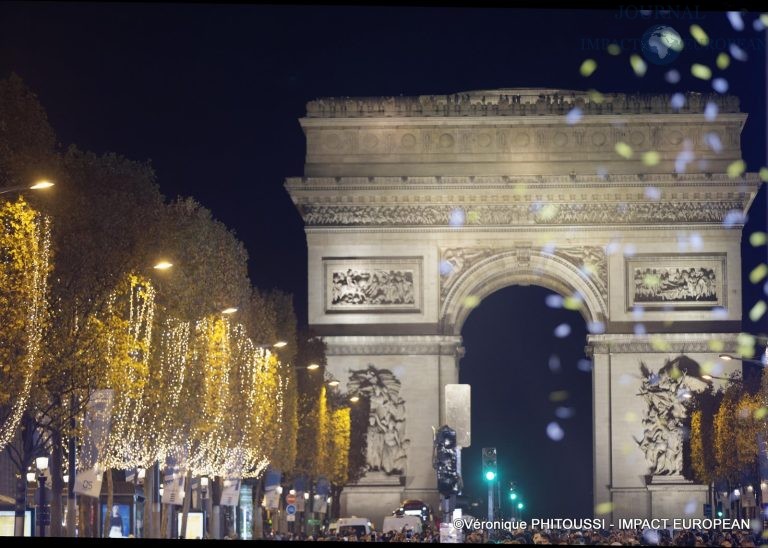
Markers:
point(588, 67)
point(472, 301)
point(595, 96)
point(709, 367)
point(558, 395)
point(604, 508)
point(746, 342)
point(638, 65)
point(623, 150)
point(736, 169)
point(757, 311)
point(651, 280)
point(699, 35)
point(613, 49)
point(764, 21)
point(757, 239)
point(761, 413)
point(519, 189)
point(660, 344)
point(701, 71)
point(716, 345)
point(651, 158)
point(473, 217)
point(758, 273)
point(572, 303)
point(548, 212)
point(764, 174)
point(723, 60)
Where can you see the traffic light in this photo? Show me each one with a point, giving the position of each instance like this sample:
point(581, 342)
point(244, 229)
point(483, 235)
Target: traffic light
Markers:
point(520, 505)
point(489, 463)
point(719, 509)
point(512, 491)
point(445, 461)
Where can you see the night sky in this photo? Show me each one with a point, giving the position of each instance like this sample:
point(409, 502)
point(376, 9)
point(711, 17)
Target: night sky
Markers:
point(212, 95)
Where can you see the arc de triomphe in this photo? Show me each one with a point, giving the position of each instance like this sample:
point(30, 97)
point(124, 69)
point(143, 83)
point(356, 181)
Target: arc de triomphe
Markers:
point(416, 208)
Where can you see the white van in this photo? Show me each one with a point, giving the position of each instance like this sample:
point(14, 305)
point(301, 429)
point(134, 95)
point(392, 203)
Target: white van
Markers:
point(397, 523)
point(346, 527)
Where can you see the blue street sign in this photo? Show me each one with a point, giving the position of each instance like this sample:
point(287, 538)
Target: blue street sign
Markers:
point(290, 509)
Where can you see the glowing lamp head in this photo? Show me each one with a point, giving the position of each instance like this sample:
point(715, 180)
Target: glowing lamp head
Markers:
point(280, 344)
point(230, 310)
point(204, 481)
point(41, 463)
point(520, 505)
point(490, 476)
point(65, 478)
point(30, 477)
point(313, 366)
point(41, 185)
point(354, 399)
point(163, 265)
point(333, 383)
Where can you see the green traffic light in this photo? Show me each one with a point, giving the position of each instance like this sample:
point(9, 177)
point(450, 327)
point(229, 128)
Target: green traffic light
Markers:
point(520, 506)
point(719, 513)
point(490, 476)
point(513, 496)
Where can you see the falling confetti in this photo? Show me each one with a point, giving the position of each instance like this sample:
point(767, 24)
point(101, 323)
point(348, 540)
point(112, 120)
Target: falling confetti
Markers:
point(458, 217)
point(761, 413)
point(723, 61)
point(595, 96)
point(548, 211)
point(562, 330)
point(554, 301)
point(573, 302)
point(719, 313)
point(565, 412)
point(604, 508)
point(756, 239)
point(554, 431)
point(710, 112)
point(651, 158)
point(720, 85)
point(757, 311)
point(584, 365)
point(701, 71)
point(699, 35)
point(623, 150)
point(660, 344)
point(713, 140)
point(639, 329)
point(736, 169)
point(734, 217)
point(573, 116)
point(471, 301)
point(691, 506)
point(558, 395)
point(613, 49)
point(554, 364)
point(763, 174)
point(758, 273)
point(737, 53)
point(588, 67)
point(716, 345)
point(677, 101)
point(672, 76)
point(445, 268)
point(638, 65)
point(473, 217)
point(596, 328)
point(736, 21)
point(652, 193)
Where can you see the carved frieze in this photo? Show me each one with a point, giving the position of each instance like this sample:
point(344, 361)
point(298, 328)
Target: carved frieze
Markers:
point(512, 102)
point(676, 282)
point(388, 284)
point(520, 214)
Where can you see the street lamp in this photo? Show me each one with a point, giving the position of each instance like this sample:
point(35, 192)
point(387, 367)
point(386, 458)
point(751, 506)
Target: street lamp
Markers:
point(354, 399)
point(40, 185)
point(333, 382)
point(728, 357)
point(43, 516)
point(204, 496)
point(163, 265)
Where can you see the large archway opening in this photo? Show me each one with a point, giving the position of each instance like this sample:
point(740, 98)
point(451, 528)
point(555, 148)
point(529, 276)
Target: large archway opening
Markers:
point(532, 400)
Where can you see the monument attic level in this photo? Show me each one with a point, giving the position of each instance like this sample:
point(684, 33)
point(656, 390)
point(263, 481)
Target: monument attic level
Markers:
point(412, 205)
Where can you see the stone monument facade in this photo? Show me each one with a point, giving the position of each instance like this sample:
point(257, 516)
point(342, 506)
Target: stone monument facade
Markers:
point(416, 208)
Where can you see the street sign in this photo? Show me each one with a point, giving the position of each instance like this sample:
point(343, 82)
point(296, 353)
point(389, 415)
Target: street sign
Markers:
point(290, 509)
point(290, 499)
point(290, 517)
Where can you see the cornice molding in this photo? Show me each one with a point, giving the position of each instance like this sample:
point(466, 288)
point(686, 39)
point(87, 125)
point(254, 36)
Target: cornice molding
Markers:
point(393, 345)
point(661, 343)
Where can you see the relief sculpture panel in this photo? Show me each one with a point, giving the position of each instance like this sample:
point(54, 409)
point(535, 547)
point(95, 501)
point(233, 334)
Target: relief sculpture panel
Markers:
point(391, 284)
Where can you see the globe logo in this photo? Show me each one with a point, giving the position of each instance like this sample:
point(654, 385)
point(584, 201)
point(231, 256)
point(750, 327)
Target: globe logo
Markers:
point(661, 45)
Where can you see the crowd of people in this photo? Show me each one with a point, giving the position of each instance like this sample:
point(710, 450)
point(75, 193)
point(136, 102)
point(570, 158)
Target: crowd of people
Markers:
point(611, 537)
